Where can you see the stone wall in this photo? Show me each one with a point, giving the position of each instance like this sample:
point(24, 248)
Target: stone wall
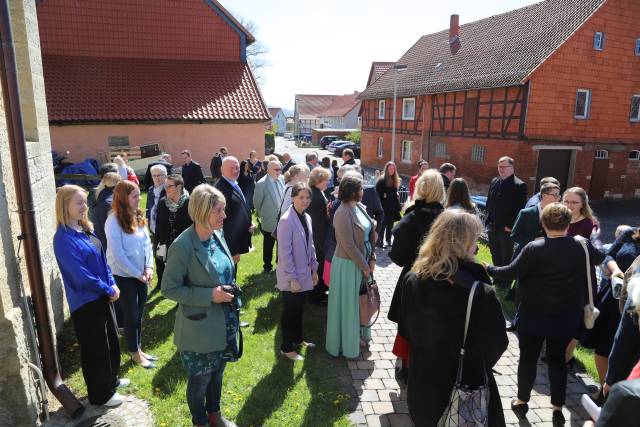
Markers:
point(18, 391)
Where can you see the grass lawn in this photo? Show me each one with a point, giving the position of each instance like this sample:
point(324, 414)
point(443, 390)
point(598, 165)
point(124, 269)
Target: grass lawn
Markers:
point(262, 388)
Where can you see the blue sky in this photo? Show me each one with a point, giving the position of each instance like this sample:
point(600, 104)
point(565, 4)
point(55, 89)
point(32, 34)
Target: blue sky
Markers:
point(326, 47)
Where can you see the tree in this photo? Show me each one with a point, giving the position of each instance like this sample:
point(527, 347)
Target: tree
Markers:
point(353, 137)
point(256, 52)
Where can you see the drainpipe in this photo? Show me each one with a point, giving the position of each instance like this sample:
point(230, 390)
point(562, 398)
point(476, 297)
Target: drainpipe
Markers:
point(26, 211)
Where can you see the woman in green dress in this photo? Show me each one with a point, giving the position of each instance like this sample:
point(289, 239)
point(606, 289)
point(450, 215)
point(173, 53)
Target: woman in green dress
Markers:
point(353, 262)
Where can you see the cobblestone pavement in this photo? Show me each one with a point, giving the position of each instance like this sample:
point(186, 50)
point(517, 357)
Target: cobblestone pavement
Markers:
point(132, 413)
point(379, 400)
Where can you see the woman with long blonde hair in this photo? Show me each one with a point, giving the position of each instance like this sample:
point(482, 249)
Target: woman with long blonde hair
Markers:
point(432, 302)
point(582, 219)
point(129, 254)
point(90, 289)
point(295, 174)
point(99, 211)
point(387, 188)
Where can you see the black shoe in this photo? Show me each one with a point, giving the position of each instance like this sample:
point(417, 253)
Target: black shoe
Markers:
point(557, 419)
point(511, 327)
point(520, 409)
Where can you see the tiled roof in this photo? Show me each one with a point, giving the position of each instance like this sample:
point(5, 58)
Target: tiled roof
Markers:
point(378, 69)
point(325, 105)
point(498, 51)
point(273, 111)
point(89, 89)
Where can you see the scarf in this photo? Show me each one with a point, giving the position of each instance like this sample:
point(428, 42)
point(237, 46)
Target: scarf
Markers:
point(173, 207)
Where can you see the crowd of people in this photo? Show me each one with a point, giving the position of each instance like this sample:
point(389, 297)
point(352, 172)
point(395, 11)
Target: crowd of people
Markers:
point(325, 224)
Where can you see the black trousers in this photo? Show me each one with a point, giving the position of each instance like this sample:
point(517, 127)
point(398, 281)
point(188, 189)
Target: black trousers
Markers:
point(291, 322)
point(133, 297)
point(95, 329)
point(385, 231)
point(267, 250)
point(530, 346)
point(159, 272)
point(319, 291)
point(501, 247)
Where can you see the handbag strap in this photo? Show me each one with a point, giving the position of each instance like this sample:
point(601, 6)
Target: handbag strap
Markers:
point(583, 243)
point(466, 329)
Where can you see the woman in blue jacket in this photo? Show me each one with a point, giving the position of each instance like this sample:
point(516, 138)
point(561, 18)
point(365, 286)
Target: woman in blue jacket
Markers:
point(90, 289)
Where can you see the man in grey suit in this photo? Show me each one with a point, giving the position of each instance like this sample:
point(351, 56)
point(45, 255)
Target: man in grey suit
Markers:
point(267, 199)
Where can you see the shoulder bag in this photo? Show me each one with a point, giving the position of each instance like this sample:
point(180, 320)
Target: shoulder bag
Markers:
point(369, 302)
point(591, 313)
point(468, 406)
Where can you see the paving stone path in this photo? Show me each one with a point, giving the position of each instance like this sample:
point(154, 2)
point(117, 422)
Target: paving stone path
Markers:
point(377, 399)
point(133, 412)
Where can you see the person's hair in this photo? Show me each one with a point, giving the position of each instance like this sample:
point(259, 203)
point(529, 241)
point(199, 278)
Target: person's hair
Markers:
point(201, 202)
point(298, 187)
point(548, 187)
point(585, 210)
point(348, 152)
point(506, 159)
point(294, 171)
point(447, 167)
point(391, 181)
point(272, 158)
point(556, 217)
point(549, 179)
point(458, 194)
point(429, 187)
point(176, 179)
point(243, 166)
point(253, 152)
point(636, 235)
point(447, 244)
point(350, 186)
point(620, 230)
point(221, 150)
point(128, 220)
point(165, 156)
point(63, 198)
point(422, 162)
point(318, 175)
point(109, 180)
point(158, 168)
point(118, 161)
point(187, 152)
point(125, 156)
point(310, 156)
point(326, 162)
point(108, 167)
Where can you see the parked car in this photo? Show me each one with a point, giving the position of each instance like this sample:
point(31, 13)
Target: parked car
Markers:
point(327, 139)
point(288, 135)
point(335, 144)
point(352, 146)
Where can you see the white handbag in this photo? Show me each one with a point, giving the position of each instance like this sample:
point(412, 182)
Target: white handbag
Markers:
point(591, 313)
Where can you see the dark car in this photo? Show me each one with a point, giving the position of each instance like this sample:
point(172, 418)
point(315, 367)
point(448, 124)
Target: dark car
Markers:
point(327, 139)
point(354, 147)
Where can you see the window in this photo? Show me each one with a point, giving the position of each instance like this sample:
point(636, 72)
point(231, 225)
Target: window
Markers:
point(470, 113)
point(118, 141)
point(381, 107)
point(380, 150)
point(477, 153)
point(406, 151)
point(634, 155)
point(408, 108)
point(601, 154)
point(583, 103)
point(637, 47)
point(635, 108)
point(441, 149)
point(598, 40)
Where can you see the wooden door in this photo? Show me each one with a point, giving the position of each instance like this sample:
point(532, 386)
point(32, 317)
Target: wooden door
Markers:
point(598, 178)
point(554, 163)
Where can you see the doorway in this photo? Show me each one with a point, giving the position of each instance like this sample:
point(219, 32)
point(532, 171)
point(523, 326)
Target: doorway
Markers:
point(555, 163)
point(599, 175)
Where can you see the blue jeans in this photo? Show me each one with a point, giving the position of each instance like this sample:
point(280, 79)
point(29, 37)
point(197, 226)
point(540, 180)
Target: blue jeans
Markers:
point(203, 395)
point(133, 297)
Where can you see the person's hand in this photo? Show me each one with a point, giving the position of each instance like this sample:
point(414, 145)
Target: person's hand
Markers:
point(219, 295)
point(595, 233)
point(372, 266)
point(236, 258)
point(507, 229)
point(605, 389)
point(485, 265)
point(366, 272)
point(116, 294)
point(252, 228)
point(295, 286)
point(314, 278)
point(148, 275)
point(589, 424)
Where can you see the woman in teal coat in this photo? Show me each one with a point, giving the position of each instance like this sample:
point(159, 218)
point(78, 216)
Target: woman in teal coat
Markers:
point(198, 265)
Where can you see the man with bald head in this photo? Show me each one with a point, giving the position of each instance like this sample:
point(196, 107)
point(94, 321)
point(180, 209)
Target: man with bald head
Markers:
point(267, 199)
point(287, 162)
point(237, 226)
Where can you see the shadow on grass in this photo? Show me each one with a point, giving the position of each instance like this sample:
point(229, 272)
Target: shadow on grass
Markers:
point(255, 285)
point(169, 375)
point(268, 316)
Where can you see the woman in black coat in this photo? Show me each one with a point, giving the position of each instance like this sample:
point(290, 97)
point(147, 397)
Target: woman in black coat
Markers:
point(387, 188)
point(408, 235)
point(432, 304)
point(247, 182)
point(318, 182)
point(101, 207)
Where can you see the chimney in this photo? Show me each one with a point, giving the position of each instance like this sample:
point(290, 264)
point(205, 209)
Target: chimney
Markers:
point(454, 34)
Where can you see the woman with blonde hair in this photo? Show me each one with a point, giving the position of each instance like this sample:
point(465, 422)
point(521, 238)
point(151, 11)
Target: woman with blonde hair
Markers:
point(387, 188)
point(129, 254)
point(583, 222)
point(102, 205)
point(408, 235)
point(295, 174)
point(90, 289)
point(432, 303)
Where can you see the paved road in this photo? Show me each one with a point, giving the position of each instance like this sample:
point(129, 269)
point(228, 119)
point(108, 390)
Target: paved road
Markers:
point(289, 146)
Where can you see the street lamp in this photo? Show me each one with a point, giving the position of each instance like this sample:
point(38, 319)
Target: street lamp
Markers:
point(396, 68)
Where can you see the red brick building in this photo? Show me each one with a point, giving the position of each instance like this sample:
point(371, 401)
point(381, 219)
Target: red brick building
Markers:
point(555, 85)
point(135, 72)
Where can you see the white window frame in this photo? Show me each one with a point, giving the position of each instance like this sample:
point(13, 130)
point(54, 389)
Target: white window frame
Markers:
point(380, 148)
point(404, 104)
point(382, 109)
point(634, 155)
point(599, 39)
point(601, 154)
point(637, 116)
point(441, 149)
point(478, 153)
point(405, 154)
point(587, 104)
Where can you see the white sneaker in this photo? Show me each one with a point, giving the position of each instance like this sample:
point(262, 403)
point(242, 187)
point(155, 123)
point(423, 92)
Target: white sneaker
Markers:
point(123, 382)
point(116, 400)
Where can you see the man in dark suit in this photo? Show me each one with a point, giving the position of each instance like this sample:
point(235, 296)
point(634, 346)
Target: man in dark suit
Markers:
point(192, 174)
point(165, 160)
point(527, 226)
point(237, 226)
point(216, 163)
point(287, 162)
point(348, 158)
point(448, 173)
point(535, 199)
point(507, 196)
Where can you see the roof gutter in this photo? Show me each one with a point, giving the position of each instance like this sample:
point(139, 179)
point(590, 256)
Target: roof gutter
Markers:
point(26, 211)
